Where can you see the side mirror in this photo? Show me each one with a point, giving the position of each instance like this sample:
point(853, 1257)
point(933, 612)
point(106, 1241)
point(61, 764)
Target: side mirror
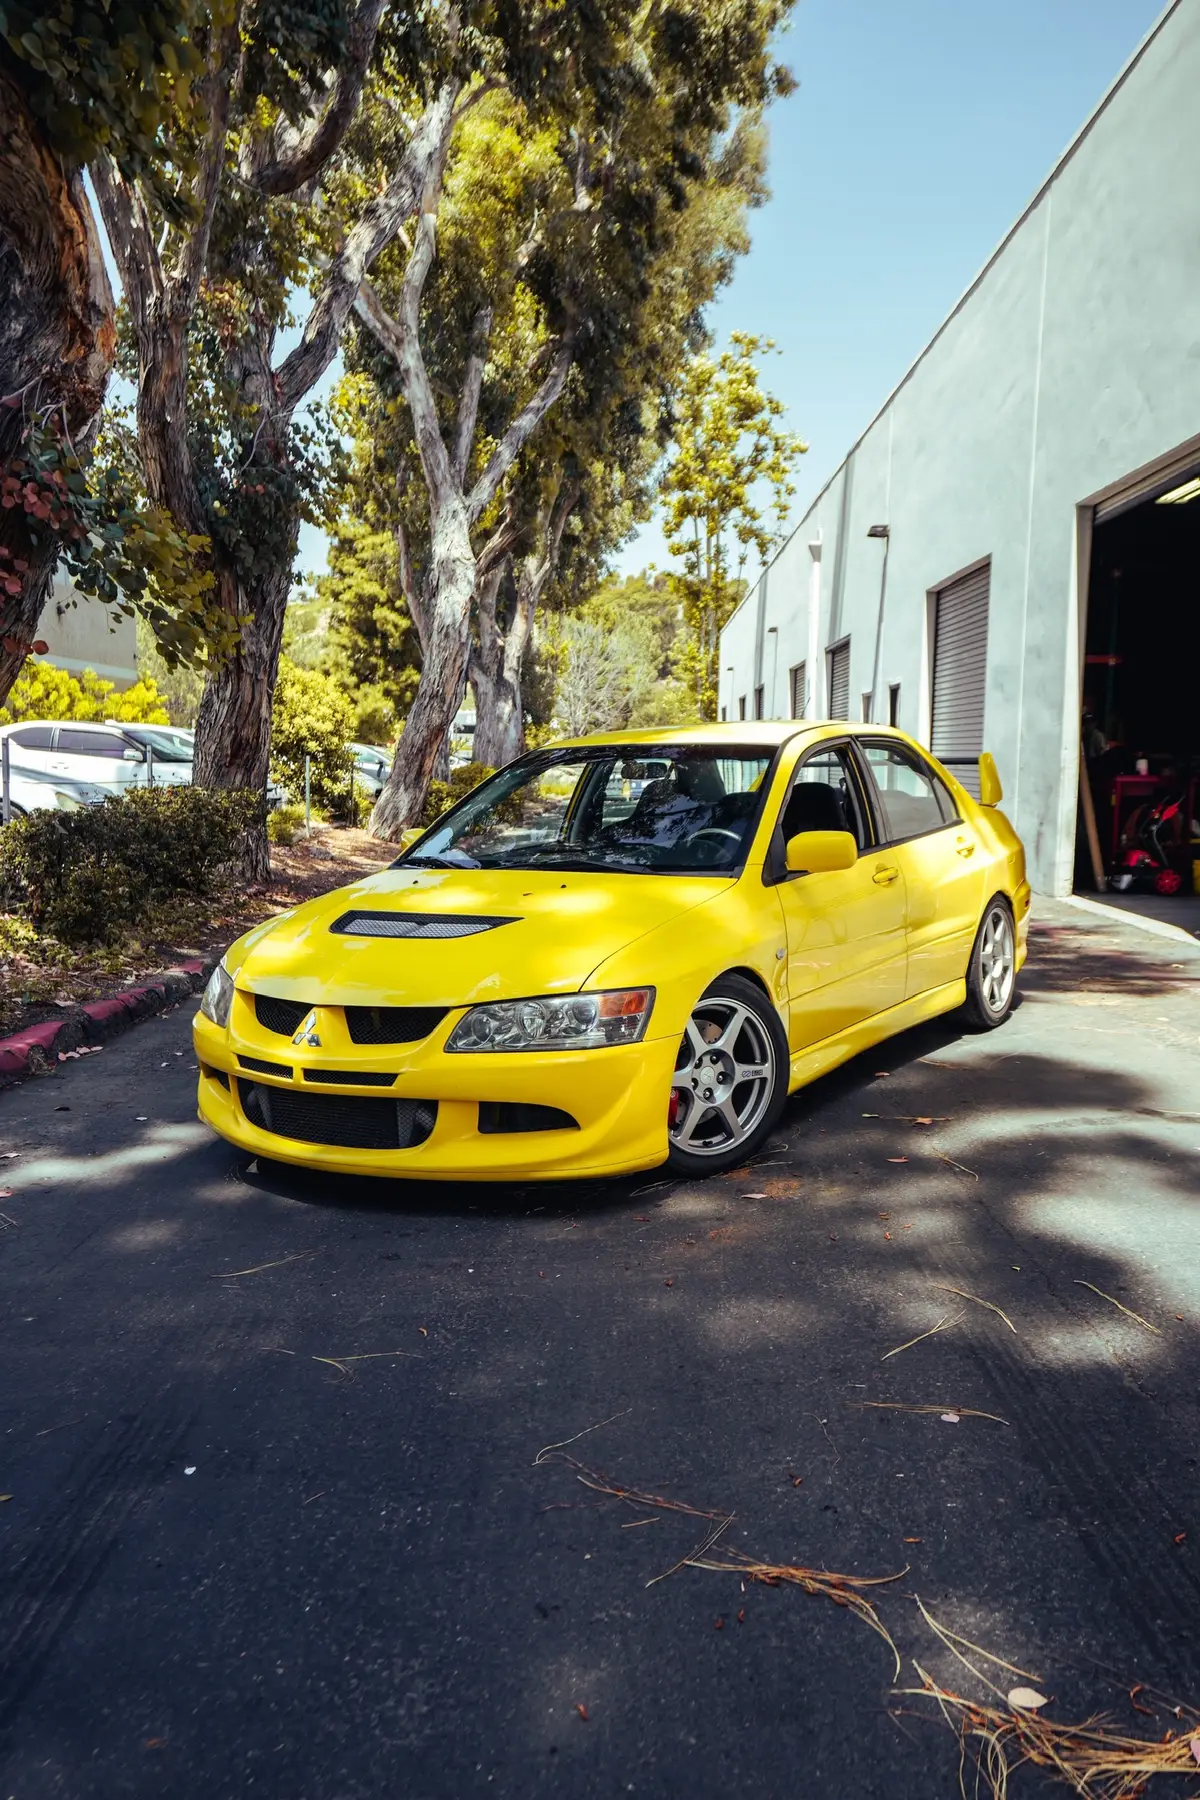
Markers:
point(132, 756)
point(990, 791)
point(819, 852)
point(408, 838)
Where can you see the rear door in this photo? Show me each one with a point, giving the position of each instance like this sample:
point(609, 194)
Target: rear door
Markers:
point(845, 927)
point(31, 747)
point(940, 855)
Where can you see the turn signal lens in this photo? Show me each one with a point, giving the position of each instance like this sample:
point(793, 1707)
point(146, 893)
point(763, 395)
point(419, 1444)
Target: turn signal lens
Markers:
point(556, 1022)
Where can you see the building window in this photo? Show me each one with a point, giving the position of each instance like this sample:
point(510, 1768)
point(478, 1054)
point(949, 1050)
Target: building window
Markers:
point(894, 703)
point(798, 680)
point(758, 702)
point(741, 706)
point(866, 707)
point(839, 680)
point(722, 715)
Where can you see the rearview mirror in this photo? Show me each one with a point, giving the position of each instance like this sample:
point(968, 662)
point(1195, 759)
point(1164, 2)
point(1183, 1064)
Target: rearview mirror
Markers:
point(819, 852)
point(990, 791)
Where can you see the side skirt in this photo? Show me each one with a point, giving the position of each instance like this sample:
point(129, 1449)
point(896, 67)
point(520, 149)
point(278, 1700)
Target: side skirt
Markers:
point(817, 1059)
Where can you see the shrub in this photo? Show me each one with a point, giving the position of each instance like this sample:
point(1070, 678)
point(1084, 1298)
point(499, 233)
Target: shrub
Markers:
point(96, 875)
point(311, 716)
point(443, 795)
point(284, 824)
point(42, 691)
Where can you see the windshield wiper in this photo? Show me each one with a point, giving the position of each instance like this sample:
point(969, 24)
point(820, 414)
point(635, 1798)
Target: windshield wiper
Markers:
point(433, 861)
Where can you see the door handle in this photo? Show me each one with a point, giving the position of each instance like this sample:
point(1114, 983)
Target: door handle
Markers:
point(965, 847)
point(884, 876)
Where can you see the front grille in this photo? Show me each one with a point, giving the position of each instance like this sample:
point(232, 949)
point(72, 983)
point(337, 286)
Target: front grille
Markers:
point(415, 925)
point(280, 1016)
point(350, 1077)
point(392, 1024)
point(347, 1121)
point(265, 1068)
point(499, 1116)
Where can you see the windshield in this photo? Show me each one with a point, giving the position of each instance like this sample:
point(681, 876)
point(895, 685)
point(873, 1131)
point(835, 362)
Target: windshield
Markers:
point(679, 809)
point(165, 747)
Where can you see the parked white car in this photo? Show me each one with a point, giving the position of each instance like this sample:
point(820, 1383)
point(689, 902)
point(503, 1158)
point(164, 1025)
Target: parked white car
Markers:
point(372, 766)
point(107, 756)
point(33, 790)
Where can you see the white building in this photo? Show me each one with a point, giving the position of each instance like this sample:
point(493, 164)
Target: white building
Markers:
point(86, 634)
point(1029, 477)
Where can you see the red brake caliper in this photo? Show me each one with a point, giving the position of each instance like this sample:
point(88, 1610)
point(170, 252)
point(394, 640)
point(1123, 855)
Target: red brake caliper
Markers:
point(673, 1109)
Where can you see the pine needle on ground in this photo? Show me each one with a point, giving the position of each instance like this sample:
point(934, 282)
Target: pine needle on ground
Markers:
point(943, 1324)
point(963, 1295)
point(1129, 1314)
point(964, 1412)
point(844, 1590)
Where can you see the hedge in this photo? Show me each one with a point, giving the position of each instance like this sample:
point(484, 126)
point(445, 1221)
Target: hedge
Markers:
point(94, 876)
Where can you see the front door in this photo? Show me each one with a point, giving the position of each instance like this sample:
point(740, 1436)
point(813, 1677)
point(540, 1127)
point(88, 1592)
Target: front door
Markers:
point(845, 928)
point(942, 860)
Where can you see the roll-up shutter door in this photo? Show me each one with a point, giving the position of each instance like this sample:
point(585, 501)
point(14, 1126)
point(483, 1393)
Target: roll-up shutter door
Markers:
point(799, 689)
point(839, 681)
point(960, 674)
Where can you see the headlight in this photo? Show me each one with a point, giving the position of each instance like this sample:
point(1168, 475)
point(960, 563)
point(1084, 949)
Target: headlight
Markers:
point(218, 996)
point(67, 802)
point(556, 1022)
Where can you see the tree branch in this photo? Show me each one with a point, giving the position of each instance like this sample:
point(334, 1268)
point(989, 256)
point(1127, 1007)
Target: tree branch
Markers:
point(468, 405)
point(193, 255)
point(287, 173)
point(399, 338)
point(521, 430)
point(127, 227)
point(380, 223)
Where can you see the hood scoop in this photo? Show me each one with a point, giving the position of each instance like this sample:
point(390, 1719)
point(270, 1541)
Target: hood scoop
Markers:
point(364, 923)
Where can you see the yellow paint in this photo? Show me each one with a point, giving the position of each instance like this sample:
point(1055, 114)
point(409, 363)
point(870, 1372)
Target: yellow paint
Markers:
point(848, 955)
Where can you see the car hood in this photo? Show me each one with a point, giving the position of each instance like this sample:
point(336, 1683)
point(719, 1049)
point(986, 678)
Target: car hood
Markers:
point(561, 927)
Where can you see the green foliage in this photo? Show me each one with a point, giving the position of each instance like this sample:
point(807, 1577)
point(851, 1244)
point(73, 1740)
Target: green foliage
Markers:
point(180, 685)
point(371, 644)
point(97, 875)
point(725, 495)
point(445, 794)
point(312, 717)
point(615, 659)
point(42, 691)
point(285, 823)
point(114, 76)
point(114, 545)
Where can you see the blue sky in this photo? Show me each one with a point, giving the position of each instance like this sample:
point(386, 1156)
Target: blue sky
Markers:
point(917, 136)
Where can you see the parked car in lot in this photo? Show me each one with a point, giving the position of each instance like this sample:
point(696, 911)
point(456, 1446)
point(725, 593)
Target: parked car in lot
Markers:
point(372, 766)
point(108, 756)
point(34, 790)
point(558, 980)
point(173, 743)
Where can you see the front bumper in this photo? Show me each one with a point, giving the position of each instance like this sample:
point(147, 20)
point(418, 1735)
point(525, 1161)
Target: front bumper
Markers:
point(617, 1095)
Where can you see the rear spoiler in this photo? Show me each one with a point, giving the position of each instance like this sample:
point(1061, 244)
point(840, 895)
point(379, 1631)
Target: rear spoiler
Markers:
point(991, 793)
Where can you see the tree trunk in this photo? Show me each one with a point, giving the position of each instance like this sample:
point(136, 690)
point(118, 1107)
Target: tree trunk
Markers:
point(233, 729)
point(496, 666)
point(446, 611)
point(57, 343)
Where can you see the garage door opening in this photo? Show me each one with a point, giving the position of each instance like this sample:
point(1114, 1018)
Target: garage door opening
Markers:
point(1141, 706)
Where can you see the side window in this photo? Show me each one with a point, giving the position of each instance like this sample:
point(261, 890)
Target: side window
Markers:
point(912, 799)
point(825, 797)
point(33, 737)
point(91, 743)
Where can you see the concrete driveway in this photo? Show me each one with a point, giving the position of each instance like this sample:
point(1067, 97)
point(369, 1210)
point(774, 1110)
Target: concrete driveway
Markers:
point(276, 1523)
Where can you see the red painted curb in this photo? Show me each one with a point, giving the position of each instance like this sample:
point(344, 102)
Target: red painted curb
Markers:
point(25, 1052)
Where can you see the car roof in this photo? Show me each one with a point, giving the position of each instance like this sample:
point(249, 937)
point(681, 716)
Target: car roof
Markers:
point(74, 724)
point(766, 734)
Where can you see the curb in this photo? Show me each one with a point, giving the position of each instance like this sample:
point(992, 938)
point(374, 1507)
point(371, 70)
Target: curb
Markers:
point(81, 1028)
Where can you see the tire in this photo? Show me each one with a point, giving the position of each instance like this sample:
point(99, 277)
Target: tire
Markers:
point(733, 1028)
point(992, 971)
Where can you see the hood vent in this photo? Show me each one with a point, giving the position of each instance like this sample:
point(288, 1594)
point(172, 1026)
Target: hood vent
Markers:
point(415, 925)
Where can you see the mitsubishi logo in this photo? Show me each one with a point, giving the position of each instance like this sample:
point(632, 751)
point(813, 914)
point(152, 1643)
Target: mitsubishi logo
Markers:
point(307, 1034)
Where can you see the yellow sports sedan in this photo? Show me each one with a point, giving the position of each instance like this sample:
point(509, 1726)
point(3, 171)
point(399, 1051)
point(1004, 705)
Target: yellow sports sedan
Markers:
point(619, 952)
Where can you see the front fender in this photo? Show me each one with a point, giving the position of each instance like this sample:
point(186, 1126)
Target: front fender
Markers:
point(741, 929)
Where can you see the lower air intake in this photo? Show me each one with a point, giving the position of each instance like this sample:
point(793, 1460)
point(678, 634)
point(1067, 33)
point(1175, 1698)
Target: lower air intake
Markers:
point(342, 1121)
point(498, 1116)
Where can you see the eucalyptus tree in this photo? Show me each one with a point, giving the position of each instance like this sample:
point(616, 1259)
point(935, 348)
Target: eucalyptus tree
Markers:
point(618, 117)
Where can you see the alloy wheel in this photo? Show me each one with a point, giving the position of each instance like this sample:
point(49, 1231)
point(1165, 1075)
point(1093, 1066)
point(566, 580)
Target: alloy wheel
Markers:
point(724, 1078)
point(996, 959)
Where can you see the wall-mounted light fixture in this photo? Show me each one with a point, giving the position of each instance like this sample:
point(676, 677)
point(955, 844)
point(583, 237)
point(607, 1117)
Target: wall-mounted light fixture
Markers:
point(880, 531)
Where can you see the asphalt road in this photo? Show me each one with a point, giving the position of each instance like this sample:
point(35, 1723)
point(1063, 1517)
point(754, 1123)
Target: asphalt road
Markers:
point(236, 1562)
